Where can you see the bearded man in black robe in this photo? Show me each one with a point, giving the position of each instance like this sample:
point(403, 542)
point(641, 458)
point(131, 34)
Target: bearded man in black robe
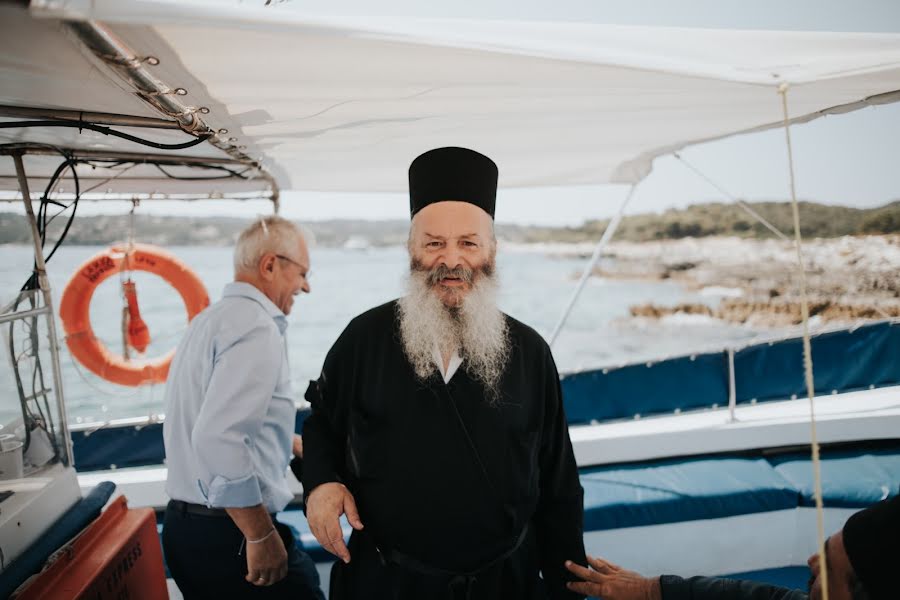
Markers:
point(437, 424)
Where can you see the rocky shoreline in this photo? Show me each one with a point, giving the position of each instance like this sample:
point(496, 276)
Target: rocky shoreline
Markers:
point(848, 279)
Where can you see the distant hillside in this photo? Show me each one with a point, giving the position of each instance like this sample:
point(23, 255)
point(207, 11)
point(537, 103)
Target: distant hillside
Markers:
point(700, 220)
point(703, 220)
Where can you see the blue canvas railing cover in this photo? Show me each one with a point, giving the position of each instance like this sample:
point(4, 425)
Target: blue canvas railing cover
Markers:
point(129, 446)
point(119, 447)
point(847, 360)
point(842, 361)
point(683, 383)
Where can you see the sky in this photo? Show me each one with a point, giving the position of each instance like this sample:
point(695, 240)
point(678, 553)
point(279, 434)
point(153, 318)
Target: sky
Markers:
point(848, 159)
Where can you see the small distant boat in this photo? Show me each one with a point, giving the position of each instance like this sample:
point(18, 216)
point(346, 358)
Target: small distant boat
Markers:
point(356, 242)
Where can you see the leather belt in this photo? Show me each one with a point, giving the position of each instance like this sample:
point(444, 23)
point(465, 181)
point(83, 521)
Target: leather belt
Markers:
point(196, 509)
point(463, 582)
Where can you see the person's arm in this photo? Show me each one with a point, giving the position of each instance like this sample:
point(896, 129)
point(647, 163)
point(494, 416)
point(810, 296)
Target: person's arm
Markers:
point(297, 461)
point(244, 376)
point(326, 498)
point(715, 588)
point(266, 554)
point(611, 582)
point(559, 517)
point(324, 433)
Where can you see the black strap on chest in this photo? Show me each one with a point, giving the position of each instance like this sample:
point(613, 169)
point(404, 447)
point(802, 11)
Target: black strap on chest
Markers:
point(465, 430)
point(460, 583)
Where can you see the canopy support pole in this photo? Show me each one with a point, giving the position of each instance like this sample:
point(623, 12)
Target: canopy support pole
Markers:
point(732, 388)
point(44, 284)
point(595, 258)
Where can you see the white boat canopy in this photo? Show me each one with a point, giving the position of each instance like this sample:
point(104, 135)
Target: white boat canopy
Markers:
point(345, 104)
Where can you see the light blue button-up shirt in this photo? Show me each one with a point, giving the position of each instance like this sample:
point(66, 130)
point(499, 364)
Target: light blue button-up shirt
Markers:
point(229, 407)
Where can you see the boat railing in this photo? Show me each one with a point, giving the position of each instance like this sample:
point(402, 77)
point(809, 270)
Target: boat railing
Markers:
point(32, 422)
point(847, 359)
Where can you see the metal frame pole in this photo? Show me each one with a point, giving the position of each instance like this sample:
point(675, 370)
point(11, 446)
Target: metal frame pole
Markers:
point(150, 157)
point(585, 275)
point(732, 388)
point(44, 284)
point(98, 118)
point(37, 312)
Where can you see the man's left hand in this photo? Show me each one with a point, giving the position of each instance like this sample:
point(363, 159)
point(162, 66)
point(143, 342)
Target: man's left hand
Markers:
point(297, 446)
point(612, 582)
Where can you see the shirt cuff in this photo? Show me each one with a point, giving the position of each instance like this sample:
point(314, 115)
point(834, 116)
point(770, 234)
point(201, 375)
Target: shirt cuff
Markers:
point(311, 483)
point(234, 493)
point(673, 587)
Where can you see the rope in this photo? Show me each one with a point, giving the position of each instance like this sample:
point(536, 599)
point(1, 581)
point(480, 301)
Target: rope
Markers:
point(125, 275)
point(807, 351)
point(125, 351)
point(746, 207)
point(585, 275)
point(99, 390)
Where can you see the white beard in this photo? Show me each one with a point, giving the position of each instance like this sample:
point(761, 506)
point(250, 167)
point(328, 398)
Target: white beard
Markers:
point(476, 329)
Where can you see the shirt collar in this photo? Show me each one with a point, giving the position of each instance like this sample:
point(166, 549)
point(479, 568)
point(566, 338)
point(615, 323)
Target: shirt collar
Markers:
point(455, 362)
point(243, 289)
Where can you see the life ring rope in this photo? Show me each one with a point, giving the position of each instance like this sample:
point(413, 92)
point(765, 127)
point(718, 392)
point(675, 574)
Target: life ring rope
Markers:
point(74, 310)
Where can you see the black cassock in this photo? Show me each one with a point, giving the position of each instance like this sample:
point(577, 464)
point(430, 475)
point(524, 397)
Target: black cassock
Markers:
point(460, 497)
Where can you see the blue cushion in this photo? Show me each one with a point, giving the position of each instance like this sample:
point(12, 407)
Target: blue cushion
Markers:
point(854, 479)
point(673, 491)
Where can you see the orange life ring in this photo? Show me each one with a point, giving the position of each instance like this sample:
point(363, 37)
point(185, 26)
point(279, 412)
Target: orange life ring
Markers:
point(74, 310)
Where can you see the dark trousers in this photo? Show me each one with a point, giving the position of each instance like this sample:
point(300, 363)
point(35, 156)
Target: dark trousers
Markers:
point(206, 558)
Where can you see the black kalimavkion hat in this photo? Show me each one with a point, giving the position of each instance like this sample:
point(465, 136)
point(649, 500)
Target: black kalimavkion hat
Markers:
point(456, 174)
point(872, 542)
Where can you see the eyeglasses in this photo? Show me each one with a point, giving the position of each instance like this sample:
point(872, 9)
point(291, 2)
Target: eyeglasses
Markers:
point(304, 272)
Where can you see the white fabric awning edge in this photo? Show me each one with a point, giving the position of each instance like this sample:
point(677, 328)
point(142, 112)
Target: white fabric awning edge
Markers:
point(665, 49)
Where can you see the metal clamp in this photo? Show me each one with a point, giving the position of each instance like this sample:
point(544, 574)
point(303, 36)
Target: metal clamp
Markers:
point(133, 62)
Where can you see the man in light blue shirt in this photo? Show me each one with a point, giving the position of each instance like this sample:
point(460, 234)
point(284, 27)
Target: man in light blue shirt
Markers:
point(229, 430)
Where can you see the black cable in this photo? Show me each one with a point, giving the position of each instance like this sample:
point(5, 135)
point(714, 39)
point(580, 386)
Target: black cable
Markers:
point(204, 178)
point(31, 285)
point(44, 412)
point(32, 282)
point(106, 131)
point(107, 163)
point(64, 208)
point(74, 205)
point(45, 199)
point(23, 403)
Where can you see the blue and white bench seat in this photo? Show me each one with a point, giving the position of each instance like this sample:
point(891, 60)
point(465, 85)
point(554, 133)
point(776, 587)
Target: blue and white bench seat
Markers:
point(714, 515)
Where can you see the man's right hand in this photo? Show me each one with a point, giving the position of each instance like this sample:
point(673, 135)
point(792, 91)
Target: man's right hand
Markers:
point(324, 507)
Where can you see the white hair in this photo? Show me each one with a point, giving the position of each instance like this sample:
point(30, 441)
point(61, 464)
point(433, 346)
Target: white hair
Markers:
point(266, 234)
point(477, 329)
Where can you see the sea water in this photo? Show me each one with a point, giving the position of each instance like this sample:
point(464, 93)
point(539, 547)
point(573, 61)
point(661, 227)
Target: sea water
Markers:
point(535, 288)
